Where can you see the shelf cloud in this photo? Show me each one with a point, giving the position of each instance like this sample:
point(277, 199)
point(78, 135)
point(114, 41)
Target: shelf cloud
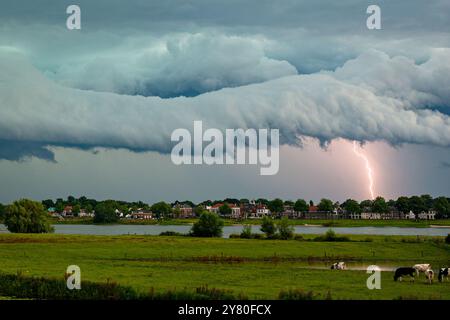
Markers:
point(372, 97)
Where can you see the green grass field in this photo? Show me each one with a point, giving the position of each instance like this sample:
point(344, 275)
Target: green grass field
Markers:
point(256, 268)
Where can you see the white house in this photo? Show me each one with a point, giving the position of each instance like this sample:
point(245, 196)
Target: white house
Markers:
point(410, 215)
point(430, 215)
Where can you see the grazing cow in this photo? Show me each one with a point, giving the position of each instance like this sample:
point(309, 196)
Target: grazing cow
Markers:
point(338, 266)
point(429, 274)
point(443, 273)
point(421, 268)
point(405, 271)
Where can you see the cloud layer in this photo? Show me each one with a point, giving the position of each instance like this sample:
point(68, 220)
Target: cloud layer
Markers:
point(373, 97)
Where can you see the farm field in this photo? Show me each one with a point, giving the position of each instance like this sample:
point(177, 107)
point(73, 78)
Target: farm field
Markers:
point(258, 269)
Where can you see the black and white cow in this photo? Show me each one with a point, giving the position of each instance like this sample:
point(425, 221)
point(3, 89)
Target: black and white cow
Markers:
point(443, 273)
point(405, 271)
point(338, 266)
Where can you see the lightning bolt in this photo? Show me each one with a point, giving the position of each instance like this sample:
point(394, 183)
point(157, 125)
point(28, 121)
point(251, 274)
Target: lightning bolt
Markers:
point(368, 168)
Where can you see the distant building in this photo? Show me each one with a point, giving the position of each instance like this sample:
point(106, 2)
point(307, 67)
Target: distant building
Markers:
point(67, 212)
point(410, 215)
point(186, 211)
point(430, 215)
point(142, 215)
point(259, 211)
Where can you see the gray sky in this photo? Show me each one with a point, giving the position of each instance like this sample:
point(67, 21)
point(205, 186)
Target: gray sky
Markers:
point(309, 68)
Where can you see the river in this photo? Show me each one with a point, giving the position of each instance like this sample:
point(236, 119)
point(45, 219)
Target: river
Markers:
point(122, 229)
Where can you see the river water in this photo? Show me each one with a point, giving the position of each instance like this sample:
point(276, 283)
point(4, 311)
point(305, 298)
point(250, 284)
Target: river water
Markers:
point(122, 229)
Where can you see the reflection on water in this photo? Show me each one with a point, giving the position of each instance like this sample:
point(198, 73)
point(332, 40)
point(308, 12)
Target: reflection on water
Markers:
point(157, 229)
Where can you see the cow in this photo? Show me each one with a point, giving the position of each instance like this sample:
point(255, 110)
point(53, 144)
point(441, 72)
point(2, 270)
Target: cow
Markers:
point(338, 266)
point(429, 274)
point(443, 273)
point(405, 271)
point(421, 268)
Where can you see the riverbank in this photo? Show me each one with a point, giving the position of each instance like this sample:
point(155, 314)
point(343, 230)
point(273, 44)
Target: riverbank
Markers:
point(297, 222)
point(254, 268)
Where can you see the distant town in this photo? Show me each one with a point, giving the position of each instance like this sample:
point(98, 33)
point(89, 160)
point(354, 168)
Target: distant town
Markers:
point(422, 207)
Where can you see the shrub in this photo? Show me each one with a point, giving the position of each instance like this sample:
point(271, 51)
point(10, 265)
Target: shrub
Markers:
point(208, 225)
point(235, 236)
point(20, 286)
point(285, 229)
point(268, 227)
point(246, 232)
point(171, 233)
point(447, 239)
point(27, 216)
point(297, 294)
point(330, 235)
point(298, 237)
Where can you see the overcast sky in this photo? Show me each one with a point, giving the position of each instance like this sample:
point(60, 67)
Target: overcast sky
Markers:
point(90, 111)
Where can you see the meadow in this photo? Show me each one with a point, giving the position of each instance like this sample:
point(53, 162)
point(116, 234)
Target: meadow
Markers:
point(257, 269)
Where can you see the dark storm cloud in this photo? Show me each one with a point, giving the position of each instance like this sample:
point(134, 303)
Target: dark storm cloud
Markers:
point(398, 92)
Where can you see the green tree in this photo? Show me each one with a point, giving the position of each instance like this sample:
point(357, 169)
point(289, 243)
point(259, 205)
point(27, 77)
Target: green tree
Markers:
point(276, 206)
point(48, 203)
point(208, 225)
point(442, 207)
point(427, 201)
point(402, 204)
point(351, 206)
point(198, 210)
point(225, 210)
point(366, 205)
point(76, 210)
point(263, 201)
point(105, 212)
point(27, 216)
point(326, 205)
point(161, 209)
point(285, 229)
point(380, 206)
point(301, 206)
point(2, 211)
point(268, 227)
point(417, 204)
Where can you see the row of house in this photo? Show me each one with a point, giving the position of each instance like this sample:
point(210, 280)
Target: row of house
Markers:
point(254, 210)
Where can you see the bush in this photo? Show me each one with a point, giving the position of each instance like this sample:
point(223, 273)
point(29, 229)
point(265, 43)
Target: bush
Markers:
point(246, 232)
point(268, 227)
point(27, 216)
point(285, 229)
point(447, 239)
point(19, 286)
point(297, 294)
point(330, 235)
point(208, 225)
point(298, 237)
point(171, 233)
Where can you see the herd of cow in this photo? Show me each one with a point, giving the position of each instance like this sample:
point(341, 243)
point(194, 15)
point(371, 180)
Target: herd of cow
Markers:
point(416, 269)
point(408, 271)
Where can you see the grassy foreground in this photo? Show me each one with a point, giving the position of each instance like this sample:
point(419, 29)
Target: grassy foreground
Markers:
point(253, 268)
